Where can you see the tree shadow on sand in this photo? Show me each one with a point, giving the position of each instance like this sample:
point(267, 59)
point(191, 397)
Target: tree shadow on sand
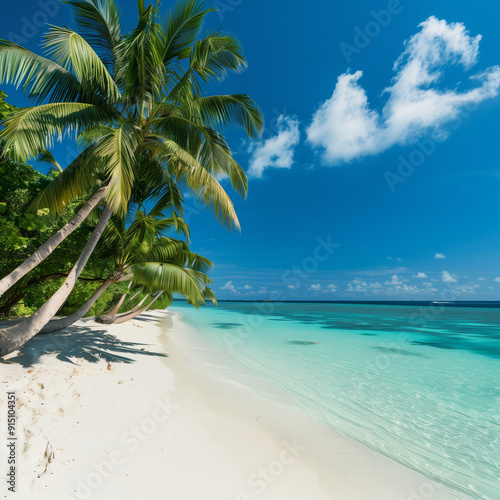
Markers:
point(80, 342)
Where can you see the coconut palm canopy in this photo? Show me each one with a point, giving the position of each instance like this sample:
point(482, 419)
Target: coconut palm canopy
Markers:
point(133, 101)
point(135, 104)
point(147, 253)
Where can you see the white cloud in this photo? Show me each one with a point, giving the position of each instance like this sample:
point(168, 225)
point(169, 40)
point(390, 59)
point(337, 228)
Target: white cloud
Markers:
point(382, 271)
point(481, 279)
point(394, 281)
point(440, 256)
point(467, 288)
point(420, 275)
point(497, 279)
point(247, 287)
point(358, 285)
point(408, 288)
point(315, 288)
point(346, 128)
point(446, 277)
point(262, 290)
point(277, 151)
point(229, 287)
point(332, 287)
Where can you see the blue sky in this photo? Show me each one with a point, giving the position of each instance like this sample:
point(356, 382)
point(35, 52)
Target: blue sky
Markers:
point(377, 139)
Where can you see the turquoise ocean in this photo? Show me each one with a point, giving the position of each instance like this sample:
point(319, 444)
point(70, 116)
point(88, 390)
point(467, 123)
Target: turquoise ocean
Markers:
point(418, 383)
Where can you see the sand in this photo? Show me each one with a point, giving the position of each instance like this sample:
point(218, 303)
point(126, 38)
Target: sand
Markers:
point(148, 410)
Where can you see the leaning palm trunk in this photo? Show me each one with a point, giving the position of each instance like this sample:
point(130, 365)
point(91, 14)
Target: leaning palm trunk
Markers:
point(109, 319)
point(15, 336)
point(59, 324)
point(135, 312)
point(51, 244)
point(113, 311)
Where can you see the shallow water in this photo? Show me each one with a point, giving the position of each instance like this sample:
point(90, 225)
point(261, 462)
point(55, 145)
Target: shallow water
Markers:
point(418, 384)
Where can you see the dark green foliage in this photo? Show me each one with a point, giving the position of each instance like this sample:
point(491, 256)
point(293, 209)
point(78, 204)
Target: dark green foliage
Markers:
point(22, 232)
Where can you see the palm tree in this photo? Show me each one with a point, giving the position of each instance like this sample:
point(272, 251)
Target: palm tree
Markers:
point(134, 102)
point(143, 254)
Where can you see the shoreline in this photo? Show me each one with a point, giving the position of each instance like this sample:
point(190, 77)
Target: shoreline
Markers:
point(147, 409)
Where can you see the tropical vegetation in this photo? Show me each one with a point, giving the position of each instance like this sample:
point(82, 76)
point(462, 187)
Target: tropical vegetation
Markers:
point(145, 131)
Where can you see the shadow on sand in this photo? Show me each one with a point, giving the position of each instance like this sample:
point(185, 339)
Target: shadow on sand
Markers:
point(81, 342)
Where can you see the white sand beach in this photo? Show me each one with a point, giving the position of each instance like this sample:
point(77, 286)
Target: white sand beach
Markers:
point(147, 410)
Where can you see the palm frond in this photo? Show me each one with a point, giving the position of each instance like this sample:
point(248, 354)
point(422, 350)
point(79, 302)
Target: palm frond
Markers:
point(184, 25)
point(216, 55)
point(41, 78)
point(143, 73)
point(209, 295)
point(223, 110)
point(47, 158)
point(73, 52)
point(172, 278)
point(98, 21)
point(76, 180)
point(185, 168)
point(117, 149)
point(30, 131)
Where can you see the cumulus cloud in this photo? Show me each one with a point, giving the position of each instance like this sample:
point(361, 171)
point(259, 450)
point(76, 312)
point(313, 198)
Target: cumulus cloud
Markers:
point(346, 128)
point(408, 288)
point(277, 151)
point(394, 281)
point(440, 256)
point(446, 277)
point(315, 288)
point(229, 287)
point(497, 279)
point(467, 288)
point(481, 279)
point(420, 275)
point(358, 285)
point(247, 287)
point(332, 287)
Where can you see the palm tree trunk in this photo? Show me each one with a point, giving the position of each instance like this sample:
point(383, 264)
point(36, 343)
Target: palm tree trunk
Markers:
point(13, 337)
point(114, 310)
point(51, 244)
point(59, 324)
point(135, 312)
point(137, 306)
point(107, 319)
